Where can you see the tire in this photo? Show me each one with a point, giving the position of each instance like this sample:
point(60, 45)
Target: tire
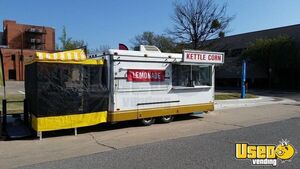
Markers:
point(148, 121)
point(166, 119)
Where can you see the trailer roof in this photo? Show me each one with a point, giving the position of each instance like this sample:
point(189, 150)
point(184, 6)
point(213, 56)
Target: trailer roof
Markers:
point(177, 56)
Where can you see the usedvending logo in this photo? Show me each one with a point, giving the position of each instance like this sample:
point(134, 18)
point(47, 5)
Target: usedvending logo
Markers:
point(265, 154)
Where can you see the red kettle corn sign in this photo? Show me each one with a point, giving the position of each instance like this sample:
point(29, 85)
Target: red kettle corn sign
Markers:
point(138, 75)
point(203, 57)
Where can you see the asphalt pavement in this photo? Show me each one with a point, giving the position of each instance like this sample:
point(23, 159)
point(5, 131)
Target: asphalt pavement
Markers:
point(214, 150)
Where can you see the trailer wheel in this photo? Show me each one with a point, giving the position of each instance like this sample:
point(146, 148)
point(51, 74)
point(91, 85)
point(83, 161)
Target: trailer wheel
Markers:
point(166, 119)
point(148, 121)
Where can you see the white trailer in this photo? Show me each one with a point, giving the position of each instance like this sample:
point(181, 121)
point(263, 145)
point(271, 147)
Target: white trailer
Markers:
point(147, 84)
point(68, 90)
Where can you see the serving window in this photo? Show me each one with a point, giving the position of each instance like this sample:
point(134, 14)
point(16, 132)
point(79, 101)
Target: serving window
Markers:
point(191, 75)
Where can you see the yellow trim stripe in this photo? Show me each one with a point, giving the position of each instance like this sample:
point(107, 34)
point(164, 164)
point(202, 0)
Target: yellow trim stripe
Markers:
point(156, 112)
point(68, 121)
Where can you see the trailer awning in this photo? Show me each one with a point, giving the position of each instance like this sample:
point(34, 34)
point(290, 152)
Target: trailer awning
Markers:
point(75, 55)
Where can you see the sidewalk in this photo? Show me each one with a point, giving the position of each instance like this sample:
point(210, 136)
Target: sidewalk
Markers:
point(13, 88)
point(261, 100)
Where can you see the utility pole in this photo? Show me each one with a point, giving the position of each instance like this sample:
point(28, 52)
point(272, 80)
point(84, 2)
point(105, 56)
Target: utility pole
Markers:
point(243, 79)
point(21, 57)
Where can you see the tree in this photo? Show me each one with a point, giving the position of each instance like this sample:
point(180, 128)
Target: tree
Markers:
point(100, 49)
point(75, 44)
point(196, 21)
point(277, 57)
point(69, 44)
point(164, 43)
point(146, 38)
point(64, 39)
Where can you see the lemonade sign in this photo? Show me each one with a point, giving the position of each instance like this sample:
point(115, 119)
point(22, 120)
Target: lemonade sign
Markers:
point(265, 154)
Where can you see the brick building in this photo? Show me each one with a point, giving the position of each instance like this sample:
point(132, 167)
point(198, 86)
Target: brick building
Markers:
point(229, 74)
point(19, 42)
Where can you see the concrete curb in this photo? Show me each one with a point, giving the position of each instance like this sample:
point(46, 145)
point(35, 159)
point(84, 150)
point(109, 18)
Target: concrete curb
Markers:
point(246, 99)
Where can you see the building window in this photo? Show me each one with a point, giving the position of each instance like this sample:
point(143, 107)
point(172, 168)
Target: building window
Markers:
point(12, 74)
point(13, 57)
point(191, 75)
point(39, 47)
point(226, 52)
point(236, 52)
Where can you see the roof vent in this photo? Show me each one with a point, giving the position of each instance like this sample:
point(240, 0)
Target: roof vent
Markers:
point(148, 48)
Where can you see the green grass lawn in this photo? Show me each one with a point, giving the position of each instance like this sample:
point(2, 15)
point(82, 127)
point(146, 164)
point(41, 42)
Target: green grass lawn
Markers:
point(226, 96)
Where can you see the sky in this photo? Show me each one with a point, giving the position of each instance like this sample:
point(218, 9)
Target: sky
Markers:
point(110, 22)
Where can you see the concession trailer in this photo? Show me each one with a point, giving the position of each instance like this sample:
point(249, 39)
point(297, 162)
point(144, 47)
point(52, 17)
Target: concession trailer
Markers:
point(71, 90)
